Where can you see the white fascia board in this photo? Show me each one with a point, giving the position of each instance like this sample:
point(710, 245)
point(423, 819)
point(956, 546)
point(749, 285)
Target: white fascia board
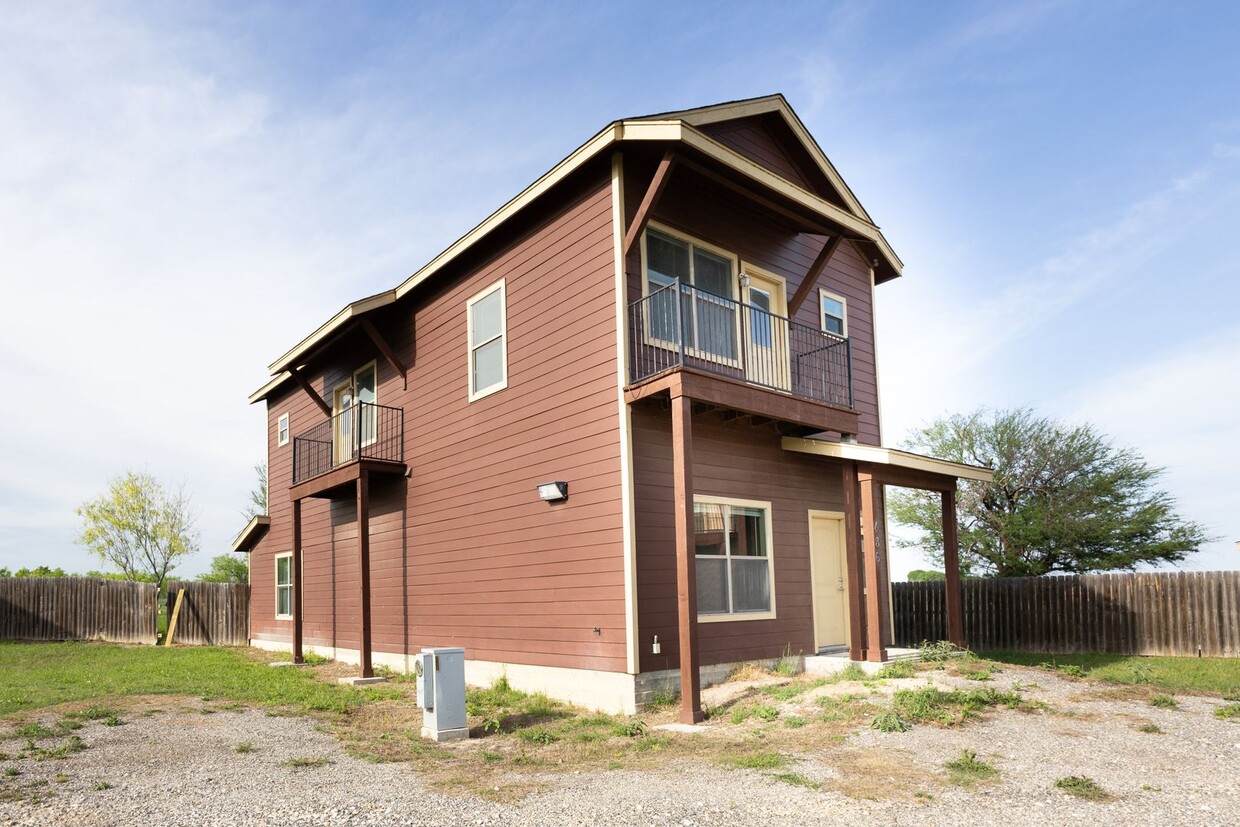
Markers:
point(887, 456)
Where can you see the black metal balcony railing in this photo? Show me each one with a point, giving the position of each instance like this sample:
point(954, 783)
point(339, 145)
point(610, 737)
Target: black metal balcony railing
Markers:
point(362, 431)
point(681, 326)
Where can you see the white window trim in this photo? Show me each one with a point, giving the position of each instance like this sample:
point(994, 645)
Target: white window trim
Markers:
point(741, 617)
point(292, 597)
point(283, 433)
point(734, 284)
point(824, 293)
point(474, 396)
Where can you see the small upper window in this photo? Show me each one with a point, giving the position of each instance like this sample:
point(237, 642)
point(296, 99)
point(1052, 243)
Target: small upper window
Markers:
point(488, 350)
point(282, 430)
point(834, 313)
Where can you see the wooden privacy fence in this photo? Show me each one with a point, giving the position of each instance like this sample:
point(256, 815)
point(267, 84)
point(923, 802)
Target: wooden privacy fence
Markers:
point(77, 608)
point(212, 614)
point(1172, 613)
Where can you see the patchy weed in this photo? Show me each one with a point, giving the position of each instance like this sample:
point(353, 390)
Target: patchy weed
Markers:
point(755, 761)
point(1081, 786)
point(889, 721)
point(967, 770)
point(896, 670)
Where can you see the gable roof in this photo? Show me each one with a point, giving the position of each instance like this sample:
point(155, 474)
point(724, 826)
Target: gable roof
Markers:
point(679, 127)
point(778, 105)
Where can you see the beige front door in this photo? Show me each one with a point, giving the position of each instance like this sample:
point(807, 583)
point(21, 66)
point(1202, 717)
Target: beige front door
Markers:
point(766, 330)
point(826, 546)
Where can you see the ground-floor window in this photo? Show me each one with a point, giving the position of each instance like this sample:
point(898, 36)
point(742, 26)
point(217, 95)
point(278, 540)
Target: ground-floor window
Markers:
point(733, 554)
point(284, 585)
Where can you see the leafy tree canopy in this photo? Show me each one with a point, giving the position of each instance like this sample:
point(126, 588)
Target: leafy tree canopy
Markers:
point(227, 568)
point(256, 504)
point(1064, 499)
point(925, 575)
point(138, 527)
point(37, 571)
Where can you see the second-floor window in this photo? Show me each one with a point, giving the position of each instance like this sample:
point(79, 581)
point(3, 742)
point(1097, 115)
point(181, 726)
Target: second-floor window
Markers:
point(282, 431)
point(834, 314)
point(708, 312)
point(488, 347)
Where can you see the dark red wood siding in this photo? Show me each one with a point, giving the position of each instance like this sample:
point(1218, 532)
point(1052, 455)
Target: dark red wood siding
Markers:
point(729, 461)
point(463, 552)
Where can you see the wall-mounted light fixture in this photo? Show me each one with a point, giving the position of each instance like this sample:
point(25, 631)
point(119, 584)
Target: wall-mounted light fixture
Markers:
point(553, 491)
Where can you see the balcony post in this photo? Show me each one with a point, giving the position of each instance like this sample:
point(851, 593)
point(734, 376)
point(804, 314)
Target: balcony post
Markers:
point(298, 656)
point(686, 575)
point(680, 322)
point(363, 568)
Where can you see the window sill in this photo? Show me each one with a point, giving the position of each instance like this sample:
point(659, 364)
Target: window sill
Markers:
point(284, 617)
point(735, 617)
point(485, 392)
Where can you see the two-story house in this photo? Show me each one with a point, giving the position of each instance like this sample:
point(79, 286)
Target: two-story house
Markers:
point(622, 434)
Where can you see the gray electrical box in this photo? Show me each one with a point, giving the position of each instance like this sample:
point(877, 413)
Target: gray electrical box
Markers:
point(441, 693)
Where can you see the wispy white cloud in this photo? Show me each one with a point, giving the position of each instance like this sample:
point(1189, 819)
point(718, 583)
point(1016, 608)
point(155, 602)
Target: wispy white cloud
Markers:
point(962, 333)
point(1181, 410)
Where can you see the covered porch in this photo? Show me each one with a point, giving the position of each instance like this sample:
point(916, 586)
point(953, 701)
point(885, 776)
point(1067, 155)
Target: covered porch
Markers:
point(863, 631)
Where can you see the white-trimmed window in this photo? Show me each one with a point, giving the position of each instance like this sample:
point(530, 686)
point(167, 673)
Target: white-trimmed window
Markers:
point(488, 341)
point(735, 574)
point(284, 586)
point(833, 313)
point(282, 430)
point(710, 325)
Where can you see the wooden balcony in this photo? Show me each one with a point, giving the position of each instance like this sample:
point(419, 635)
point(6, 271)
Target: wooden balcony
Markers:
point(723, 353)
point(334, 453)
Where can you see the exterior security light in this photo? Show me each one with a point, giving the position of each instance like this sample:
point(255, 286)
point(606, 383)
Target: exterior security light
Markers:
point(553, 491)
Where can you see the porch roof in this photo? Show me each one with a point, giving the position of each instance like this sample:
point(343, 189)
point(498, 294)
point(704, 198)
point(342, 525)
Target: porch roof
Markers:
point(878, 455)
point(252, 533)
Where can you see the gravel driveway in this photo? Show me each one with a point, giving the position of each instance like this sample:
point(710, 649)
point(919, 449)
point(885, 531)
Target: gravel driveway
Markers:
point(180, 767)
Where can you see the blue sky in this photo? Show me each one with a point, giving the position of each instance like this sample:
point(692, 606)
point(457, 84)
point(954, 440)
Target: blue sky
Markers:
point(188, 189)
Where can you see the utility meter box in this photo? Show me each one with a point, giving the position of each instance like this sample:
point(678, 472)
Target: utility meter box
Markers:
point(440, 684)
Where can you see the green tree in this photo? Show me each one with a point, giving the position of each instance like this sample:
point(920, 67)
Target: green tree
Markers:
point(1064, 499)
point(257, 503)
point(227, 568)
point(41, 571)
point(925, 575)
point(138, 527)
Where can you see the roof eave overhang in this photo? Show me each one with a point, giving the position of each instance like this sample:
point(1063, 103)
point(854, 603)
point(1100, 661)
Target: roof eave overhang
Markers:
point(859, 229)
point(888, 456)
point(252, 533)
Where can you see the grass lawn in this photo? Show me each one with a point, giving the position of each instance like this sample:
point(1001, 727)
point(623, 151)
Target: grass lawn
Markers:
point(38, 675)
point(1205, 676)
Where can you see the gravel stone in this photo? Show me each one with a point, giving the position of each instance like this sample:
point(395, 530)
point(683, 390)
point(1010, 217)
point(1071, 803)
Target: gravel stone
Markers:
point(175, 768)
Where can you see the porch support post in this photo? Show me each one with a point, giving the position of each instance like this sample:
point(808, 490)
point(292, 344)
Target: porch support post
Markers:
point(363, 568)
point(686, 576)
point(298, 656)
point(951, 571)
point(852, 562)
point(875, 569)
